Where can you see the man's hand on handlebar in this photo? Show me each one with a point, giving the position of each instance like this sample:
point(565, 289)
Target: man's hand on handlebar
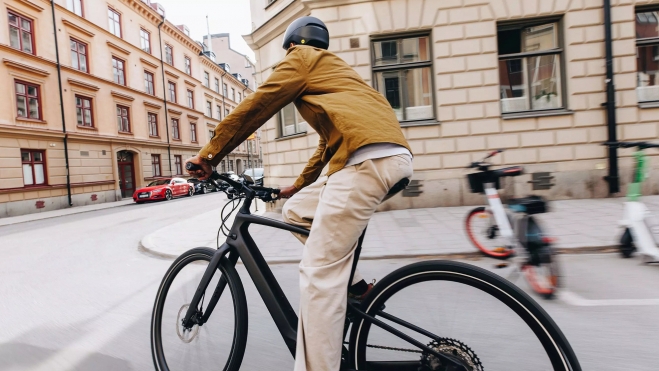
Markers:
point(288, 192)
point(203, 173)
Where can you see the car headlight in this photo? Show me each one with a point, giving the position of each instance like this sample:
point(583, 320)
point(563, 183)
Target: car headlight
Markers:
point(157, 191)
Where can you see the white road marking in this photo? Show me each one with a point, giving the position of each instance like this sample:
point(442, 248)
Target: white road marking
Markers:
point(571, 298)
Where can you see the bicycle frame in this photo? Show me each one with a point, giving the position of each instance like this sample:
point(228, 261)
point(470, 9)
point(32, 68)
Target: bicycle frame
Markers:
point(239, 244)
point(500, 215)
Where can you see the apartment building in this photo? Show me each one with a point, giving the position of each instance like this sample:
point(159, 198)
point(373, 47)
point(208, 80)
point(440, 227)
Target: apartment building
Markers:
point(137, 99)
point(234, 62)
point(466, 77)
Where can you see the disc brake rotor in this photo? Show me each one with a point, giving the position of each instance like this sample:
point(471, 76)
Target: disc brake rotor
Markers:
point(186, 335)
point(452, 347)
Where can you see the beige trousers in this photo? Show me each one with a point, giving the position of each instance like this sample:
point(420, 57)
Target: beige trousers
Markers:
point(336, 209)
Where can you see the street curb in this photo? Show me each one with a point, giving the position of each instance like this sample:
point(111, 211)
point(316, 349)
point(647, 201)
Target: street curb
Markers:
point(2, 222)
point(147, 247)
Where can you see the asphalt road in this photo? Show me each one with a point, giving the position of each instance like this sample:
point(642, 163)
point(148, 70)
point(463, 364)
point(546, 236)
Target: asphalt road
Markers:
point(76, 294)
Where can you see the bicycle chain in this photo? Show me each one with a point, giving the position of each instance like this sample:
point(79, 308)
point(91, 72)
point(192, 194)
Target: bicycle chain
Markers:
point(473, 360)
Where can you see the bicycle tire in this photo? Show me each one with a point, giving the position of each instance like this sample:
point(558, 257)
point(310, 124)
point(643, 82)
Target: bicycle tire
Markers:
point(503, 254)
point(553, 341)
point(237, 291)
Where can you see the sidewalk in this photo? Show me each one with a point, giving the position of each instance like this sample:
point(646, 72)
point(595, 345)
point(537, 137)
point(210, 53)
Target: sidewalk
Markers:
point(579, 225)
point(62, 212)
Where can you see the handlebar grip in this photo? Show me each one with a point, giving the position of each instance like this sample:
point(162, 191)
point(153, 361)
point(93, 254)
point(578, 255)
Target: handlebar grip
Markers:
point(192, 167)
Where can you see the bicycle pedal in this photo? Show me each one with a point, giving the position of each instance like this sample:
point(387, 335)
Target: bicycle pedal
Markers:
point(501, 265)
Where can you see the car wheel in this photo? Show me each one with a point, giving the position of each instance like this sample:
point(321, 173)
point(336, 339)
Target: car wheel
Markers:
point(168, 195)
point(203, 190)
point(190, 191)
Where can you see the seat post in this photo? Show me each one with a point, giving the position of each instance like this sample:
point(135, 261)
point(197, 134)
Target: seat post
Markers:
point(355, 257)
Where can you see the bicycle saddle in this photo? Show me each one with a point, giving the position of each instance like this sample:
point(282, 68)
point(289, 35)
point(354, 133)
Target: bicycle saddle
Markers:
point(399, 186)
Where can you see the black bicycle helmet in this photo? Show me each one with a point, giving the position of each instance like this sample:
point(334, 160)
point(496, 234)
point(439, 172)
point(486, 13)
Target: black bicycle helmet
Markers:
point(307, 31)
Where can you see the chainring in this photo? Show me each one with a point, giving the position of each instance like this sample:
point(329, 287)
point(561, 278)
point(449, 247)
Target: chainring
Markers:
point(453, 347)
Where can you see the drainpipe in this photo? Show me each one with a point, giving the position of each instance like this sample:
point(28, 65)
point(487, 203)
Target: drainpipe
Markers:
point(613, 179)
point(222, 82)
point(164, 98)
point(61, 104)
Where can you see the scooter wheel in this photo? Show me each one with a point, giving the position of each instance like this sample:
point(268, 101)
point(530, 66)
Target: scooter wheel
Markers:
point(627, 246)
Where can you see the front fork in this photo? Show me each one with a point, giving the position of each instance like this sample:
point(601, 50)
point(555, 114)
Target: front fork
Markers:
point(194, 315)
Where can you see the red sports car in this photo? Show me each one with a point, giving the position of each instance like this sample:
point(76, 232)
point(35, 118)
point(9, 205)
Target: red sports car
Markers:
point(164, 189)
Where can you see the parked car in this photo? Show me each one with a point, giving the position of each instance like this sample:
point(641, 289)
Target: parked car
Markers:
point(202, 186)
point(163, 189)
point(256, 174)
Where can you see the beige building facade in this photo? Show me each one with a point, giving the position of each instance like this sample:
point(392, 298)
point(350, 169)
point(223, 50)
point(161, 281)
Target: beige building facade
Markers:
point(234, 61)
point(128, 113)
point(466, 77)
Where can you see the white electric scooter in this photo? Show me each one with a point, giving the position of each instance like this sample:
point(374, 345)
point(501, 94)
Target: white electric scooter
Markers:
point(641, 231)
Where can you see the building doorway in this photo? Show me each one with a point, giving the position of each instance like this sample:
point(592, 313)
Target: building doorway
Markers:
point(126, 173)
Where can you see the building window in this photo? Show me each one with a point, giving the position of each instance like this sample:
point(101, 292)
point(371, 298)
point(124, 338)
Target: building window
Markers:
point(230, 165)
point(34, 167)
point(402, 71)
point(114, 22)
point(148, 83)
point(169, 55)
point(226, 112)
point(207, 80)
point(290, 121)
point(233, 94)
point(209, 109)
point(193, 133)
point(172, 91)
point(74, 6)
point(123, 119)
point(223, 166)
point(78, 55)
point(155, 165)
point(84, 111)
point(240, 97)
point(118, 71)
point(188, 66)
point(175, 132)
point(224, 89)
point(647, 56)
point(219, 113)
point(217, 85)
point(28, 100)
point(152, 119)
point(20, 33)
point(145, 40)
point(178, 164)
point(211, 133)
point(530, 67)
point(190, 99)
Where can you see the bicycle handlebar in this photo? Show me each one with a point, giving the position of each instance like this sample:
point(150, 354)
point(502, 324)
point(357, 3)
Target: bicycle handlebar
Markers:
point(250, 191)
point(640, 145)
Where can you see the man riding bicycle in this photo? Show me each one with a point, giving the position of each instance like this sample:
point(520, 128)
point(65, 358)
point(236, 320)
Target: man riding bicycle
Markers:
point(367, 154)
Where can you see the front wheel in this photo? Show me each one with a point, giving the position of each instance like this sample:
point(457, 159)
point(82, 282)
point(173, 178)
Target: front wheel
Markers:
point(168, 195)
point(484, 233)
point(219, 343)
point(457, 309)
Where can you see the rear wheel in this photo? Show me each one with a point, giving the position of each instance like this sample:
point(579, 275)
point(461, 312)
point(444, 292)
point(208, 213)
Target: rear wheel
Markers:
point(465, 311)
point(541, 269)
point(219, 343)
point(484, 233)
point(190, 191)
point(627, 246)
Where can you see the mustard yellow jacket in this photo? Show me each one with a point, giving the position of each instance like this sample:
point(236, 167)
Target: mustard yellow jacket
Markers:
point(332, 98)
